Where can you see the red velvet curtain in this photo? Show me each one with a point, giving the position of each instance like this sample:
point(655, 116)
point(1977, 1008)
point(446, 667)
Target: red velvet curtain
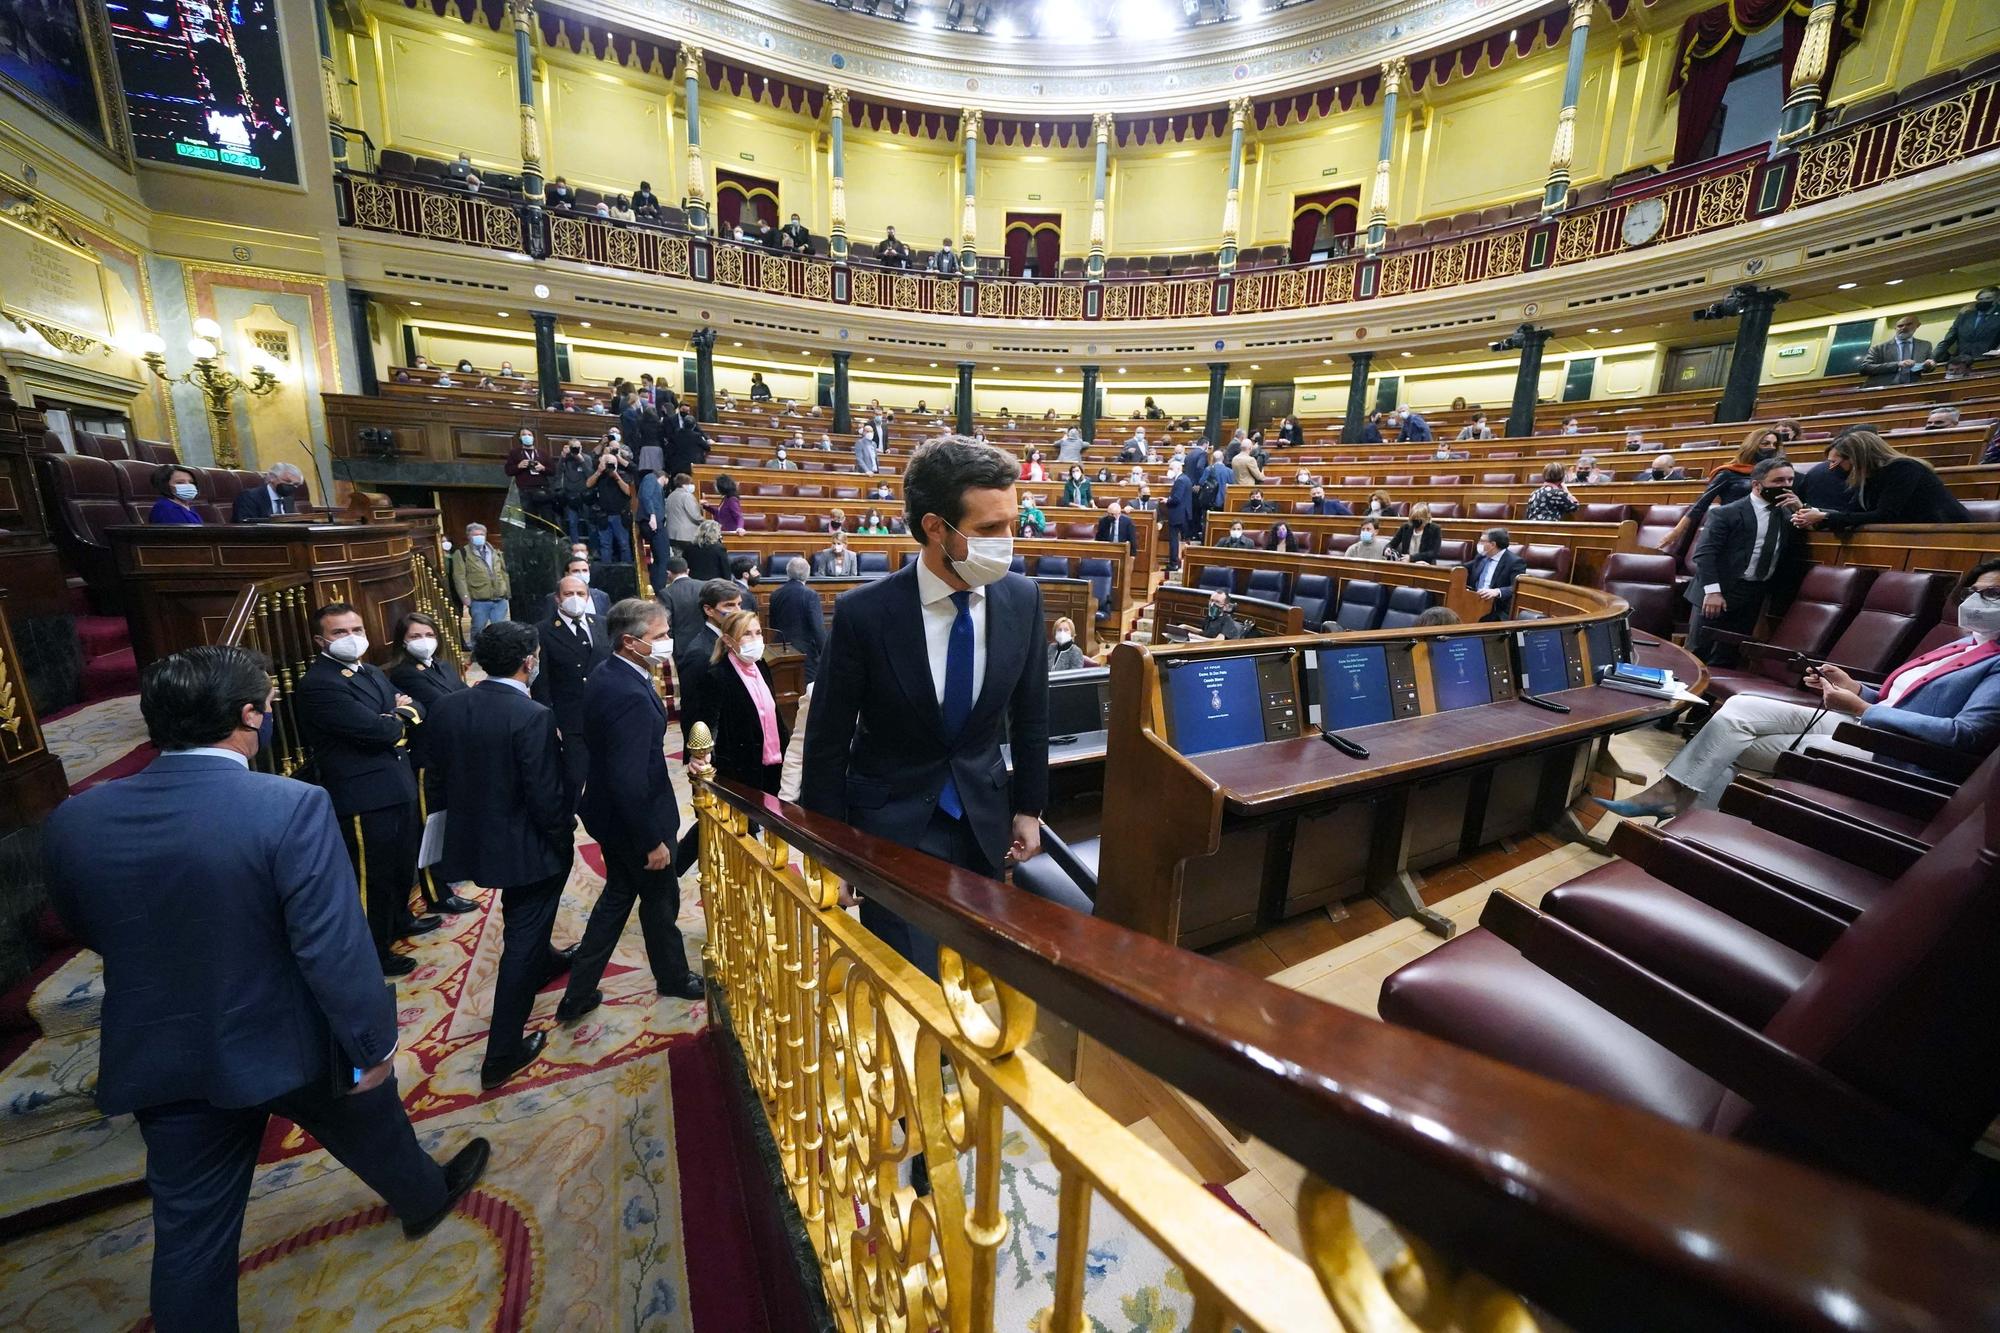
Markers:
point(1036, 237)
point(1330, 211)
point(744, 199)
point(1712, 41)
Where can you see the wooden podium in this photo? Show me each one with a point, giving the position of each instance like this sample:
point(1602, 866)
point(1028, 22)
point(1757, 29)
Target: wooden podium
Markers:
point(181, 581)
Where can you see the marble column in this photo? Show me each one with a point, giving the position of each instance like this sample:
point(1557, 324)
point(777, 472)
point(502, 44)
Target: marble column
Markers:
point(1556, 193)
point(963, 405)
point(330, 84)
point(1357, 396)
point(1100, 124)
point(1087, 426)
point(1801, 110)
point(970, 122)
point(836, 230)
point(364, 341)
point(1378, 194)
point(843, 422)
point(703, 341)
point(697, 179)
point(524, 89)
point(1239, 115)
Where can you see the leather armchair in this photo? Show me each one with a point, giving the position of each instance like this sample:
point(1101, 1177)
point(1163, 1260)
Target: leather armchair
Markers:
point(1646, 582)
point(1899, 607)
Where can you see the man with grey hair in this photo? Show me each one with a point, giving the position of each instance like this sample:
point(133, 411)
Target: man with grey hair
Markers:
point(276, 496)
point(1942, 418)
point(479, 577)
point(798, 615)
point(1490, 574)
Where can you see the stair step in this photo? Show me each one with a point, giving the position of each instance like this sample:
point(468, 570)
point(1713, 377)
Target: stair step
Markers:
point(110, 674)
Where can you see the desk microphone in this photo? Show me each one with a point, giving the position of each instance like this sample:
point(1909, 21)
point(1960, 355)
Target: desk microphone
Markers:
point(1538, 701)
point(1354, 749)
point(1647, 643)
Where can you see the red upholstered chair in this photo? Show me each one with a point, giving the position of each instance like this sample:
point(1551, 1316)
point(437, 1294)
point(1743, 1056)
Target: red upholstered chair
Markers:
point(1338, 542)
point(1900, 606)
point(1983, 511)
point(847, 492)
point(1444, 508)
point(1827, 599)
point(156, 451)
point(1646, 582)
point(1455, 551)
point(1446, 481)
point(1892, 1021)
point(1492, 510)
point(1656, 521)
point(794, 523)
point(1599, 513)
point(1076, 532)
point(1499, 478)
point(108, 447)
point(1302, 506)
point(1400, 480)
point(84, 498)
point(1511, 453)
point(809, 492)
point(1940, 634)
point(1358, 481)
point(1547, 561)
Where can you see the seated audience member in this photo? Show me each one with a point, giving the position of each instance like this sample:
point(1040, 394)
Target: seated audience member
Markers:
point(872, 525)
point(1418, 539)
point(1551, 502)
point(1105, 475)
point(1378, 504)
point(1974, 333)
point(782, 461)
point(1571, 426)
point(1788, 430)
point(177, 495)
point(1491, 572)
point(1458, 404)
point(1635, 440)
point(1369, 545)
point(706, 556)
point(1371, 429)
point(459, 169)
point(1320, 504)
point(1145, 500)
point(880, 491)
point(1949, 697)
point(1257, 504)
point(275, 496)
point(1219, 623)
point(825, 444)
point(1942, 417)
point(836, 561)
point(240, 980)
point(1475, 429)
point(1076, 489)
point(1291, 435)
point(1064, 654)
point(1031, 522)
point(1587, 472)
point(1728, 483)
point(1899, 359)
point(465, 366)
point(1282, 538)
point(645, 204)
point(1887, 487)
point(1116, 527)
point(1663, 469)
point(1437, 617)
point(1236, 540)
point(740, 706)
point(892, 253)
point(559, 197)
point(422, 362)
point(1136, 477)
point(796, 232)
point(1303, 477)
point(621, 210)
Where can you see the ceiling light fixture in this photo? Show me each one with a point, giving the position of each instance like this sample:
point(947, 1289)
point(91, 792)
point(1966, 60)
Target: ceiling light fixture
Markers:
point(416, 303)
point(1849, 286)
point(1590, 330)
point(1618, 330)
point(584, 324)
point(1893, 282)
point(501, 313)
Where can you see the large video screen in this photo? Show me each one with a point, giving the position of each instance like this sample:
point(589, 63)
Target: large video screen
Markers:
point(1213, 703)
point(1458, 671)
point(205, 85)
point(1544, 662)
point(1354, 687)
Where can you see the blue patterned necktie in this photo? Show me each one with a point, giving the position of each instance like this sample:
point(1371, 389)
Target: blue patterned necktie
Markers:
point(957, 692)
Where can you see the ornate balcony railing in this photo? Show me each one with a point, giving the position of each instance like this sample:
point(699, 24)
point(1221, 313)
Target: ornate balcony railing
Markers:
point(1602, 1216)
point(274, 617)
point(1958, 123)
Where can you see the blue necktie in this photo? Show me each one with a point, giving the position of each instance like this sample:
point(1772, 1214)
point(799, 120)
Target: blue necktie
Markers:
point(957, 692)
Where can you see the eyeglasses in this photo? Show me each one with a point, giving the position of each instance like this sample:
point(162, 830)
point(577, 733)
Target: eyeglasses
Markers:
point(1983, 594)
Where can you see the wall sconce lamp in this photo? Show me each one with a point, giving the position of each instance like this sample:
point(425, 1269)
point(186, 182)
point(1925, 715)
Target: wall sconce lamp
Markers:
point(217, 383)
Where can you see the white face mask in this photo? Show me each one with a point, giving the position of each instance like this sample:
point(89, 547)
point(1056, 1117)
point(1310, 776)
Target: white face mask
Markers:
point(750, 649)
point(479, 539)
point(447, 547)
point(421, 649)
point(349, 647)
point(185, 490)
point(1063, 638)
point(661, 650)
point(582, 576)
point(987, 559)
point(1976, 615)
point(574, 607)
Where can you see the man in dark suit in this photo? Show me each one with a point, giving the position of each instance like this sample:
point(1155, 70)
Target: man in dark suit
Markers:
point(275, 496)
point(1116, 527)
point(1974, 332)
point(577, 566)
point(798, 614)
point(892, 253)
point(239, 979)
point(1748, 551)
point(1899, 359)
point(718, 599)
point(628, 806)
point(574, 641)
point(356, 724)
point(1491, 572)
point(681, 596)
point(800, 238)
point(1178, 514)
point(836, 561)
point(508, 826)
point(922, 670)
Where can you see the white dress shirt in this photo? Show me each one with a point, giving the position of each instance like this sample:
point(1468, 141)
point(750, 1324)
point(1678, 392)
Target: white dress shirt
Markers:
point(939, 613)
point(509, 680)
point(214, 751)
point(1908, 682)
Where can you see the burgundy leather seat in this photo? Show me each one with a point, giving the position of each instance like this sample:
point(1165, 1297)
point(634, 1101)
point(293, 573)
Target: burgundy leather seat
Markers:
point(1646, 582)
point(108, 447)
point(155, 451)
point(1656, 522)
point(1492, 510)
point(1444, 509)
point(1547, 561)
point(1898, 1009)
point(1599, 513)
point(1900, 606)
point(1827, 599)
point(1499, 478)
point(85, 498)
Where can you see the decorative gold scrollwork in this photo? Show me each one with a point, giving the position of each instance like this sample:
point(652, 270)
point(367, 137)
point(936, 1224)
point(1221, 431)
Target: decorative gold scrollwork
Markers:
point(775, 274)
point(819, 281)
point(729, 265)
point(674, 256)
point(621, 248)
point(1291, 289)
point(374, 206)
point(1504, 254)
point(61, 339)
point(1069, 301)
point(1722, 200)
point(1932, 135)
point(907, 291)
point(503, 226)
point(566, 240)
point(1448, 265)
point(1198, 296)
point(992, 298)
point(1396, 273)
point(1118, 300)
point(1247, 298)
point(944, 296)
point(1339, 284)
point(441, 217)
point(1153, 301)
point(1576, 237)
point(866, 288)
point(1825, 169)
point(1028, 300)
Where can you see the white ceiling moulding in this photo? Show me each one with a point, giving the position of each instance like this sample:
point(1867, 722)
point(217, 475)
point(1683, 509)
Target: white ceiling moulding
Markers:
point(1182, 68)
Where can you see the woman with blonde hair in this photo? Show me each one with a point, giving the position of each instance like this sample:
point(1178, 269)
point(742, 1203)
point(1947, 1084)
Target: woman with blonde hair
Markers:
point(740, 706)
point(1418, 539)
point(1885, 486)
point(1064, 654)
point(1728, 483)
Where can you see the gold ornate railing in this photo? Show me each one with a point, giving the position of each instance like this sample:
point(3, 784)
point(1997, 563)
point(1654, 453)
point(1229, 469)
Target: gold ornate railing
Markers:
point(274, 617)
point(433, 601)
point(863, 1063)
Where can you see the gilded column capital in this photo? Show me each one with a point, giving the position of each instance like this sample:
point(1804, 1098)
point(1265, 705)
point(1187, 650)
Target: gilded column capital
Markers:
point(1100, 125)
point(1394, 71)
point(1580, 13)
point(531, 138)
point(1564, 148)
point(836, 101)
point(524, 14)
point(971, 120)
point(1239, 112)
point(1810, 66)
point(691, 59)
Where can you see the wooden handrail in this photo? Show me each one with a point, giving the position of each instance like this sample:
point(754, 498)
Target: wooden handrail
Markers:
point(1607, 1216)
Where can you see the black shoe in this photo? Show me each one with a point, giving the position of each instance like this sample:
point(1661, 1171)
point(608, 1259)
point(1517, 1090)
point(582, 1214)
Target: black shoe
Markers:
point(419, 925)
point(461, 1173)
point(398, 965)
point(569, 1011)
point(560, 961)
point(689, 987)
point(455, 905)
point(492, 1074)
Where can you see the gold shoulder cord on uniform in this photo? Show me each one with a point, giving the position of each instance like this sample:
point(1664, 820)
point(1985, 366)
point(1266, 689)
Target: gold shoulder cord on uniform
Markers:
point(361, 862)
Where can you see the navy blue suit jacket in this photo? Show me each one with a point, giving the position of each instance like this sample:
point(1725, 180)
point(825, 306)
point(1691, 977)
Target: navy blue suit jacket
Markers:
point(227, 959)
point(798, 614)
point(1179, 509)
point(500, 778)
point(628, 799)
point(876, 751)
point(360, 751)
point(254, 506)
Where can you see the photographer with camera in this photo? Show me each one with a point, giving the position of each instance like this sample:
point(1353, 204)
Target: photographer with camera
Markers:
point(611, 503)
point(571, 486)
